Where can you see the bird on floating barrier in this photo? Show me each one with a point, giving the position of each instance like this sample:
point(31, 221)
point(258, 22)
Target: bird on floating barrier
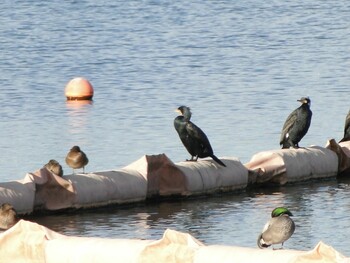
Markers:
point(296, 125)
point(54, 167)
point(192, 137)
point(278, 229)
point(346, 129)
point(76, 158)
point(8, 216)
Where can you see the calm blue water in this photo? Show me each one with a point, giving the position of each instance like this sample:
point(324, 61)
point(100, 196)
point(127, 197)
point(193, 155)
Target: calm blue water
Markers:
point(240, 66)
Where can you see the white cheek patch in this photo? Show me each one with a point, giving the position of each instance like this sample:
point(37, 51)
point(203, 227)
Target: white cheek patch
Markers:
point(287, 135)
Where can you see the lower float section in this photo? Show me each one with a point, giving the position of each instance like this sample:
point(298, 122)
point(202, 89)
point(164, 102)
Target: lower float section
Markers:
point(29, 242)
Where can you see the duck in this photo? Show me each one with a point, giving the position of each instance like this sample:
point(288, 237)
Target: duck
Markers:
point(8, 216)
point(76, 158)
point(192, 137)
point(296, 125)
point(54, 167)
point(278, 229)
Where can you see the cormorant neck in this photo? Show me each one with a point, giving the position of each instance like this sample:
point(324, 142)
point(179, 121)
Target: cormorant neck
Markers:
point(187, 114)
point(305, 105)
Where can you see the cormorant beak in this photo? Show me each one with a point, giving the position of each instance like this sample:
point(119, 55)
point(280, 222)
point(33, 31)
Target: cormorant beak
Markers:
point(302, 100)
point(178, 111)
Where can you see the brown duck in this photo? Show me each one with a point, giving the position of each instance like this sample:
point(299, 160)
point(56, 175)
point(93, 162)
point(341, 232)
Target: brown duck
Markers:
point(76, 158)
point(54, 167)
point(8, 216)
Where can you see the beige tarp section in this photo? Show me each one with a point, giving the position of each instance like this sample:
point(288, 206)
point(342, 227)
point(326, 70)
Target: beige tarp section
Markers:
point(29, 242)
point(163, 176)
point(173, 247)
point(25, 242)
point(52, 192)
point(110, 187)
point(166, 178)
point(38, 190)
point(149, 176)
point(290, 165)
point(207, 176)
point(87, 249)
point(343, 152)
point(225, 254)
point(43, 190)
point(19, 193)
point(156, 175)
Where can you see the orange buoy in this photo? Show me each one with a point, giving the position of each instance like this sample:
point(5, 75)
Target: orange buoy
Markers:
point(79, 89)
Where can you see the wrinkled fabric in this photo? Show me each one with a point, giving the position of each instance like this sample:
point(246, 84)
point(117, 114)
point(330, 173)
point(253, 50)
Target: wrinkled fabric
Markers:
point(322, 253)
point(290, 165)
point(93, 250)
point(52, 192)
point(162, 175)
point(225, 254)
point(109, 187)
point(166, 178)
point(20, 194)
point(173, 247)
point(343, 152)
point(25, 242)
point(32, 243)
point(206, 176)
point(156, 175)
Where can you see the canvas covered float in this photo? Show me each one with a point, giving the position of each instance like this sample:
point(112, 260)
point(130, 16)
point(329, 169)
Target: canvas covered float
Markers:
point(157, 176)
point(29, 242)
point(284, 166)
point(150, 176)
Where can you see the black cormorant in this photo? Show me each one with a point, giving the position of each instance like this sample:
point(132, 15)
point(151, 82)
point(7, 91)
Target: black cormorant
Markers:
point(346, 129)
point(76, 158)
point(296, 125)
point(192, 137)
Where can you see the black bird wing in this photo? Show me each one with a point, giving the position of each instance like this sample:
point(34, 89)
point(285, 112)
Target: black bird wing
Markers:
point(347, 124)
point(346, 129)
point(201, 143)
point(288, 125)
point(197, 134)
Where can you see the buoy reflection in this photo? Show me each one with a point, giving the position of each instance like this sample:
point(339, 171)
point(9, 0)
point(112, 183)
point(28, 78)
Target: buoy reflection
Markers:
point(78, 114)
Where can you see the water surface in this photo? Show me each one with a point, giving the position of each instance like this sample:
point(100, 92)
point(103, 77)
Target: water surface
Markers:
point(240, 66)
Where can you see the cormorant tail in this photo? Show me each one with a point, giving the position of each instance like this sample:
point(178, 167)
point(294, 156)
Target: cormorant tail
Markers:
point(343, 140)
point(216, 159)
point(286, 145)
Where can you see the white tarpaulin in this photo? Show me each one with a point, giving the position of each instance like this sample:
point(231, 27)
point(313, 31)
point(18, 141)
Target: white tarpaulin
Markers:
point(290, 165)
point(166, 178)
point(29, 242)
